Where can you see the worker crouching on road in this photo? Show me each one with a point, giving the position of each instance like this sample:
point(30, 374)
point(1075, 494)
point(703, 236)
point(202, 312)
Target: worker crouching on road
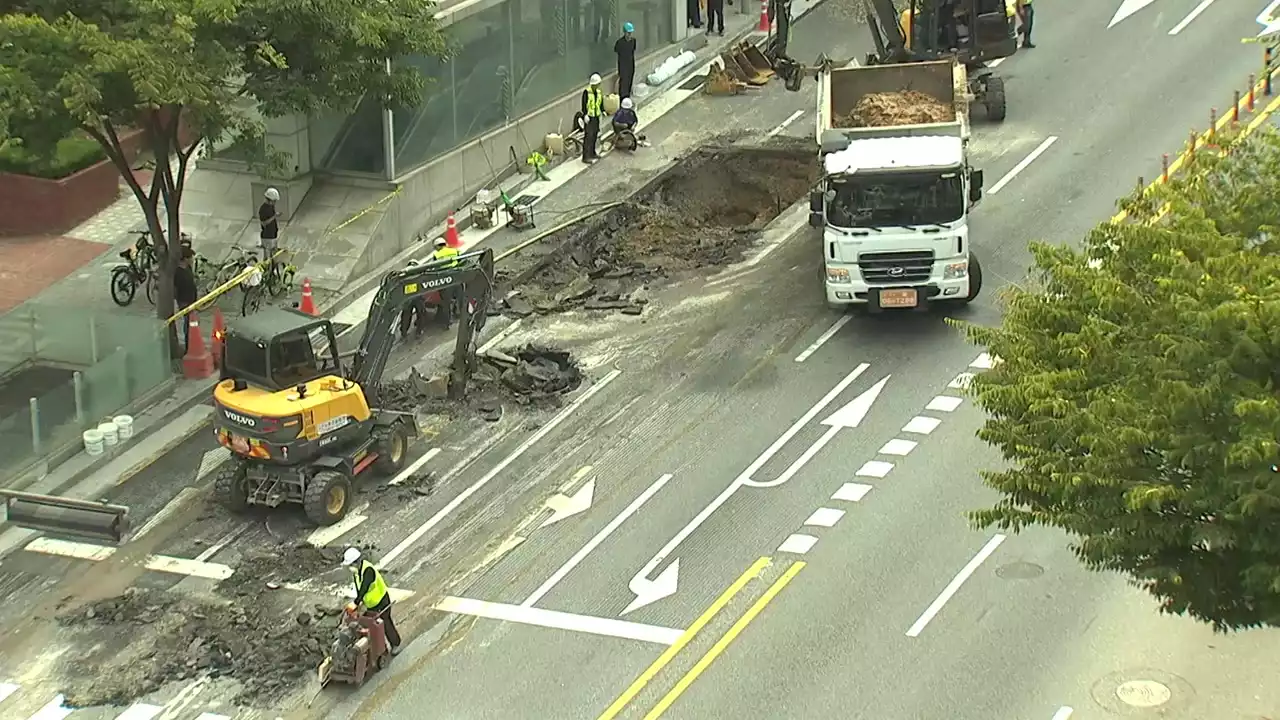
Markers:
point(415, 313)
point(625, 122)
point(592, 111)
point(448, 295)
point(372, 593)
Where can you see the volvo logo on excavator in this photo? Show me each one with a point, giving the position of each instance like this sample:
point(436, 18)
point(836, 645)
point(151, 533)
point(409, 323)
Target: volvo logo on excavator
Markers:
point(242, 419)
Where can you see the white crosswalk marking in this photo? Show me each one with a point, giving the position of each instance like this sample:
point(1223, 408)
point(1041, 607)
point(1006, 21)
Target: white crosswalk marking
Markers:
point(53, 711)
point(7, 689)
point(212, 716)
point(140, 711)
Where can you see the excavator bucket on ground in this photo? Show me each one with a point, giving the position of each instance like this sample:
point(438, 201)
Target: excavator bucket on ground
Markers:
point(721, 82)
point(67, 517)
point(738, 65)
point(758, 60)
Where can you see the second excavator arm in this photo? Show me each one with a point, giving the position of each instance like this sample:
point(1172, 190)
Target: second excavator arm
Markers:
point(471, 274)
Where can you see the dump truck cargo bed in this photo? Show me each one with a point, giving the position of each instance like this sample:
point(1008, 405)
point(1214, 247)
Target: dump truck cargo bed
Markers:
point(943, 82)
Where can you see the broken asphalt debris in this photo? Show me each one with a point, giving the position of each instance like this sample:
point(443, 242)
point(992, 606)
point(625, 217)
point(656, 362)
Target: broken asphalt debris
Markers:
point(698, 216)
point(532, 373)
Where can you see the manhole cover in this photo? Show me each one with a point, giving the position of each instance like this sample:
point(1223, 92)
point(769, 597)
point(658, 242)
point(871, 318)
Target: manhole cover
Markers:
point(1019, 570)
point(1143, 693)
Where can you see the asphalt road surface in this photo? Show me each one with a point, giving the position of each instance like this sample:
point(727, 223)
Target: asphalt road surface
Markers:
point(757, 507)
point(900, 609)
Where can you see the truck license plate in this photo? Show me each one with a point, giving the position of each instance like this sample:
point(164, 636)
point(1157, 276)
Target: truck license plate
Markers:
point(905, 297)
point(239, 444)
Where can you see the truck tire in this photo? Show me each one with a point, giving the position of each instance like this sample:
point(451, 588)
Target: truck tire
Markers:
point(975, 278)
point(392, 447)
point(327, 497)
point(994, 99)
point(231, 486)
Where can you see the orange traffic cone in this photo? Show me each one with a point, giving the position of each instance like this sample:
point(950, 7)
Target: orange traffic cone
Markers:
point(765, 23)
point(308, 305)
point(451, 232)
point(219, 331)
point(198, 362)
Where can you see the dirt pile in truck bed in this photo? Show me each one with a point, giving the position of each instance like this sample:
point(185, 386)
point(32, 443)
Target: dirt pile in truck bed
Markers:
point(139, 641)
point(888, 109)
point(701, 214)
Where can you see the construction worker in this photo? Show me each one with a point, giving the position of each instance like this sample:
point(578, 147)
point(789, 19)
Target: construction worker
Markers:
point(592, 110)
point(448, 295)
point(625, 122)
point(1027, 14)
point(715, 17)
point(371, 592)
point(625, 49)
point(415, 313)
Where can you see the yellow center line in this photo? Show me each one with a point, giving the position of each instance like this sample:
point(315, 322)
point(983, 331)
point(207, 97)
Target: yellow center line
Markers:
point(723, 643)
point(665, 658)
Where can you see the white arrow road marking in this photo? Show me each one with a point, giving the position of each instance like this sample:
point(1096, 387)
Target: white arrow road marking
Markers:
point(1269, 19)
point(1127, 8)
point(1191, 16)
point(849, 416)
point(648, 590)
point(564, 506)
point(594, 543)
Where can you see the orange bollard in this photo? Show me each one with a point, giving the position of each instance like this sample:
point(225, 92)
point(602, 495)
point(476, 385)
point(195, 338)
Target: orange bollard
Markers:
point(1253, 86)
point(219, 332)
point(308, 304)
point(765, 21)
point(1164, 167)
point(1235, 110)
point(198, 362)
point(451, 233)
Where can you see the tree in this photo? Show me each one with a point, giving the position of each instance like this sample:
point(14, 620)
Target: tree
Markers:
point(103, 66)
point(1136, 403)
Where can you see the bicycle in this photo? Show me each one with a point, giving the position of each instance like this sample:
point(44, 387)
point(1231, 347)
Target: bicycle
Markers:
point(277, 280)
point(138, 269)
point(237, 260)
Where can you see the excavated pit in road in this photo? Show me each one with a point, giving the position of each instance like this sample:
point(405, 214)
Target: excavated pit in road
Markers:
point(701, 214)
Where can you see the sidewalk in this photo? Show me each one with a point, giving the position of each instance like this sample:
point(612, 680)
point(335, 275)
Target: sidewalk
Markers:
point(184, 411)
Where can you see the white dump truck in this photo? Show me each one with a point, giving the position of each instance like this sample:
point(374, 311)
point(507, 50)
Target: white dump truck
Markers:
point(894, 201)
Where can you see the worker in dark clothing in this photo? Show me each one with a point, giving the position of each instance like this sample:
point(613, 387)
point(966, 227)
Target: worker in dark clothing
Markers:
point(414, 313)
point(625, 49)
point(184, 289)
point(1027, 13)
point(694, 12)
point(448, 295)
point(715, 17)
point(372, 593)
point(592, 110)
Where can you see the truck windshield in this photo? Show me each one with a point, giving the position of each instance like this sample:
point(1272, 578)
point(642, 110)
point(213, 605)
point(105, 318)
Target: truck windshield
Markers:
point(896, 200)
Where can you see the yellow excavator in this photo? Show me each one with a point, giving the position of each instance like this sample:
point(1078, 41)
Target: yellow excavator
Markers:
point(302, 424)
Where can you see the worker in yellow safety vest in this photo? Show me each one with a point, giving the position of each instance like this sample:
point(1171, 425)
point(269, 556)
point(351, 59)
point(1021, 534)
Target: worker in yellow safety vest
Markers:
point(1027, 14)
point(592, 111)
point(448, 257)
point(371, 592)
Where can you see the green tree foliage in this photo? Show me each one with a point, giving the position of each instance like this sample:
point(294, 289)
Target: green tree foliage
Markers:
point(1137, 402)
point(104, 66)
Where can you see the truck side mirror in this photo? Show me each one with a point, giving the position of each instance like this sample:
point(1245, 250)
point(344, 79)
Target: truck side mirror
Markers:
point(975, 186)
point(815, 201)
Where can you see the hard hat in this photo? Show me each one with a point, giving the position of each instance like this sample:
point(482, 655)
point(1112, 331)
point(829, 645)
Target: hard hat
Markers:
point(595, 79)
point(627, 104)
point(440, 242)
point(351, 556)
point(628, 27)
point(272, 194)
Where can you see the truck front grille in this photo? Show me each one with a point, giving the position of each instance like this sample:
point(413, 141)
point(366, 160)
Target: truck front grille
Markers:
point(896, 268)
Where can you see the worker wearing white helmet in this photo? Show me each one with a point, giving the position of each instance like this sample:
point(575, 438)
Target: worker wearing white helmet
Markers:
point(269, 221)
point(372, 593)
point(625, 122)
point(592, 111)
point(448, 257)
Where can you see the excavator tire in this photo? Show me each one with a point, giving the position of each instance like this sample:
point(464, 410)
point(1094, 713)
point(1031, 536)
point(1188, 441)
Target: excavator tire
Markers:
point(994, 99)
point(392, 448)
point(231, 486)
point(327, 497)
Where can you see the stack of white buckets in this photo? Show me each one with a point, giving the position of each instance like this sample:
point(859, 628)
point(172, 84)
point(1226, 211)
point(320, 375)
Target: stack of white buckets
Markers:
point(113, 432)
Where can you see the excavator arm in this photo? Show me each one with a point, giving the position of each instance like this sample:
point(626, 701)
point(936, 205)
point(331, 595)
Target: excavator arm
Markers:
point(469, 275)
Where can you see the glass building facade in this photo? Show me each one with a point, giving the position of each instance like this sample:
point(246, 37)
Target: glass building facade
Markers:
point(511, 57)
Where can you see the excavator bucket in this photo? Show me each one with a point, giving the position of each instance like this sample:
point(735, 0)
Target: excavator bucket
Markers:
point(746, 70)
point(67, 517)
point(720, 82)
point(732, 68)
point(758, 60)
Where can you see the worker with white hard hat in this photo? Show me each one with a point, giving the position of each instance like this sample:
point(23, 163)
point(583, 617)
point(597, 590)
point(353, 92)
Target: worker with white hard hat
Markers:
point(372, 593)
point(592, 111)
point(447, 257)
point(269, 221)
point(625, 122)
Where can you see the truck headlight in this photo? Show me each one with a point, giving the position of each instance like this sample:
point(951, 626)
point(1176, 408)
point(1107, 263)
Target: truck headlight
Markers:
point(837, 275)
point(955, 271)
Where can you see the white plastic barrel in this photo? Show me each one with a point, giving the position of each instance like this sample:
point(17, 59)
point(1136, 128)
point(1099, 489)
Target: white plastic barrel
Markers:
point(124, 426)
point(109, 435)
point(92, 442)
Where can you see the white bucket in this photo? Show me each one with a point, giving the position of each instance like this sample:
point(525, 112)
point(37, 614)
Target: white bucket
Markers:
point(124, 426)
point(109, 435)
point(92, 442)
